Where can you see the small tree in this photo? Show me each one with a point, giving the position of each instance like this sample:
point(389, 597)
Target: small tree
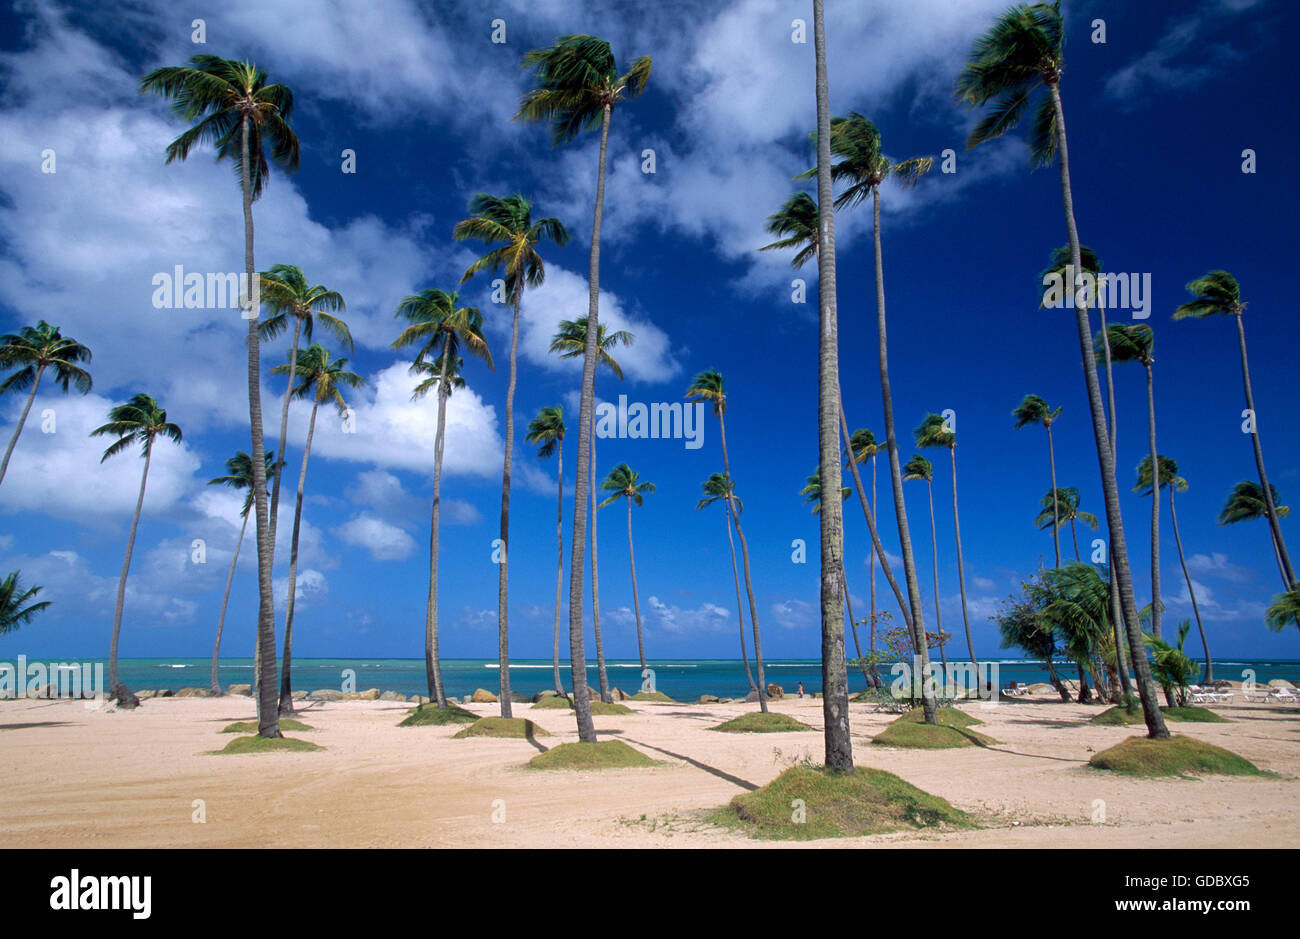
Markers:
point(1170, 665)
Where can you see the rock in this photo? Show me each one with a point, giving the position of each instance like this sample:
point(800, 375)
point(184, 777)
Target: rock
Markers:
point(550, 693)
point(166, 693)
point(392, 696)
point(1041, 687)
point(751, 698)
point(241, 689)
point(708, 699)
point(775, 692)
point(417, 699)
point(482, 696)
point(519, 697)
point(122, 695)
point(370, 694)
point(618, 694)
point(1281, 683)
point(297, 696)
point(726, 700)
point(195, 693)
point(146, 695)
point(325, 694)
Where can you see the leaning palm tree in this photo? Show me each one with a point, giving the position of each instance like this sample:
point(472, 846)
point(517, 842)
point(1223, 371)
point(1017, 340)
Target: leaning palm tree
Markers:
point(505, 224)
point(441, 329)
point(710, 387)
point(624, 483)
point(547, 431)
point(1034, 410)
point(16, 608)
point(1247, 501)
point(918, 467)
point(1061, 506)
point(577, 88)
point(239, 475)
point(320, 378)
point(1020, 55)
point(1167, 473)
point(862, 446)
point(236, 110)
point(716, 487)
point(287, 296)
point(570, 341)
point(139, 421)
point(1219, 293)
point(934, 432)
point(32, 350)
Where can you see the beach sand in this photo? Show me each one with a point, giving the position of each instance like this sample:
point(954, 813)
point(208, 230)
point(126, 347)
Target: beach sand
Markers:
point(74, 777)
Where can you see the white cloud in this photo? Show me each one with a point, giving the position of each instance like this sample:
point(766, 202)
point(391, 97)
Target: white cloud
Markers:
point(706, 618)
point(385, 542)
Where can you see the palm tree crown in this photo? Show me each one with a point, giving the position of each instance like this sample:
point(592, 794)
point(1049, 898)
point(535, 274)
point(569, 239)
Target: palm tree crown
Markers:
point(1168, 475)
point(35, 348)
point(1216, 293)
point(709, 386)
point(507, 223)
point(624, 483)
point(286, 296)
point(918, 467)
point(320, 377)
point(795, 225)
point(1034, 410)
point(441, 327)
point(934, 432)
point(13, 613)
point(547, 430)
point(863, 164)
point(140, 420)
point(716, 487)
point(1246, 502)
point(239, 475)
point(576, 80)
point(570, 341)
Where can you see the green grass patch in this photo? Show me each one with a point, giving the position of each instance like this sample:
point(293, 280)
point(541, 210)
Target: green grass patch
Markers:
point(913, 736)
point(601, 708)
point(652, 696)
point(760, 723)
point(257, 744)
point(250, 727)
point(1118, 716)
point(1177, 756)
point(947, 717)
point(501, 727)
point(432, 715)
point(1195, 715)
point(607, 754)
point(838, 805)
point(554, 702)
point(1121, 716)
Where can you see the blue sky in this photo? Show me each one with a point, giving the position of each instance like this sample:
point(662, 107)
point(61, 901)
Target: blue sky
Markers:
point(1158, 117)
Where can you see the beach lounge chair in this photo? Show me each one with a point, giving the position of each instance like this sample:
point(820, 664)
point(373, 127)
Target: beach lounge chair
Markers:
point(1284, 696)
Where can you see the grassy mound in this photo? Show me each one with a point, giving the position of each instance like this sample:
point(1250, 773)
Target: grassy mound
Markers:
point(432, 715)
point(837, 805)
point(1121, 716)
point(760, 723)
point(948, 717)
point(501, 727)
point(1118, 716)
point(1177, 756)
point(554, 702)
point(652, 696)
point(607, 754)
point(1195, 715)
point(250, 727)
point(266, 744)
point(601, 708)
point(911, 735)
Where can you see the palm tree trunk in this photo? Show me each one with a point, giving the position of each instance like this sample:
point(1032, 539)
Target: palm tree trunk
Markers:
point(284, 430)
point(559, 566)
point(586, 433)
point(602, 674)
point(503, 570)
point(432, 660)
point(740, 610)
point(1074, 537)
point(1156, 606)
point(1191, 591)
point(1288, 572)
point(744, 555)
point(286, 687)
point(1056, 512)
point(1114, 521)
point(225, 598)
point(1056, 680)
point(1116, 614)
point(896, 479)
point(636, 602)
point(961, 571)
point(268, 720)
point(938, 613)
point(871, 567)
point(126, 566)
point(22, 419)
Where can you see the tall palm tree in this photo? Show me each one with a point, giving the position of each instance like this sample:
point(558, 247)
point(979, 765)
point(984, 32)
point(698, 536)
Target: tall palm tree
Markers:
point(505, 224)
point(442, 329)
point(862, 446)
point(863, 166)
point(547, 431)
point(287, 296)
point(1020, 55)
point(1218, 293)
point(139, 421)
point(624, 483)
point(1167, 473)
point(934, 432)
point(239, 475)
point(233, 107)
point(1034, 410)
point(1247, 501)
point(13, 612)
point(1060, 506)
point(577, 88)
point(570, 341)
point(716, 487)
point(812, 493)
point(918, 467)
point(710, 387)
point(320, 378)
point(32, 350)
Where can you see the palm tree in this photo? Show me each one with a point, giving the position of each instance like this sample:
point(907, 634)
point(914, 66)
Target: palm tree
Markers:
point(236, 110)
point(1219, 293)
point(918, 467)
point(710, 387)
point(934, 432)
point(1060, 506)
point(506, 225)
point(1034, 410)
point(1021, 54)
point(239, 475)
point(1284, 611)
point(32, 350)
point(795, 224)
point(547, 431)
point(1167, 473)
point(716, 487)
point(577, 88)
point(864, 166)
point(624, 483)
point(1076, 603)
point(319, 378)
point(441, 329)
point(139, 421)
point(1247, 501)
point(13, 614)
point(861, 446)
point(287, 296)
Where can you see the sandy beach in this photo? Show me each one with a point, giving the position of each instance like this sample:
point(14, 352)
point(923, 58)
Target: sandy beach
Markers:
point(74, 777)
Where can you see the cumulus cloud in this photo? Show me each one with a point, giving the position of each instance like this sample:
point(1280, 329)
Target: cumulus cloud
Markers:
point(385, 542)
point(705, 618)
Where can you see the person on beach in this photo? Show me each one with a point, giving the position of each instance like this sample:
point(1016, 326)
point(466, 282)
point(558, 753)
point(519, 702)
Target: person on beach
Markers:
point(801, 689)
